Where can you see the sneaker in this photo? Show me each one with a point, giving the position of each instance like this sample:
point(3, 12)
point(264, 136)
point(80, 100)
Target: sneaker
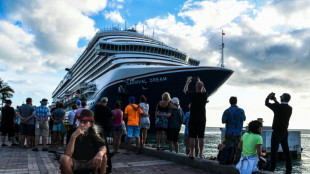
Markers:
point(44, 149)
point(35, 149)
point(4, 145)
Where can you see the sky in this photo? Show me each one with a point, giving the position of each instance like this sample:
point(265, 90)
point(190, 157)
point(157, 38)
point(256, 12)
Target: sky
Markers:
point(266, 45)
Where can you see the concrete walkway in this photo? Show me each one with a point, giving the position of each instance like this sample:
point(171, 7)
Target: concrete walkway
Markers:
point(24, 161)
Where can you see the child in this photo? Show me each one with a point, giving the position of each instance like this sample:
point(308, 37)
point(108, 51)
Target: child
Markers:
point(251, 145)
point(186, 134)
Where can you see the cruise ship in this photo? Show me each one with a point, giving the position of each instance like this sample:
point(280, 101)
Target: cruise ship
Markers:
point(119, 63)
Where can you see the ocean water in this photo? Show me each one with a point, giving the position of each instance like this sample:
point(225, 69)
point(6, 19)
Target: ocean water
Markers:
point(212, 139)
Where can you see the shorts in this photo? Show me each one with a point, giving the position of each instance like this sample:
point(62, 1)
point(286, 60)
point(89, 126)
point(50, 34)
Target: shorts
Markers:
point(83, 164)
point(117, 128)
point(196, 129)
point(7, 129)
point(57, 127)
point(188, 144)
point(41, 130)
point(173, 134)
point(232, 140)
point(161, 129)
point(26, 129)
point(133, 131)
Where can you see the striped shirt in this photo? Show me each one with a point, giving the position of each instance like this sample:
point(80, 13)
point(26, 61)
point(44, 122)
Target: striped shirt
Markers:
point(42, 111)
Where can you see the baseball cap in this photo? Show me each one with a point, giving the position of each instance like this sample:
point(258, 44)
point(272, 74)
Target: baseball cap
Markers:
point(132, 99)
point(104, 99)
point(78, 101)
point(175, 100)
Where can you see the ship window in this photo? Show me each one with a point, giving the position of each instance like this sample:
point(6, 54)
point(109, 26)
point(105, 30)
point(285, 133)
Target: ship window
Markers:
point(127, 47)
point(108, 47)
point(156, 50)
point(123, 47)
point(143, 48)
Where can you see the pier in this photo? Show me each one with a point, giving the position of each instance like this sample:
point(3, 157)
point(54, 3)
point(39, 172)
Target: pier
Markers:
point(18, 160)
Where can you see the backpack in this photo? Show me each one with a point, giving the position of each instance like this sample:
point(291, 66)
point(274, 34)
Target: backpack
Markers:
point(226, 156)
point(263, 163)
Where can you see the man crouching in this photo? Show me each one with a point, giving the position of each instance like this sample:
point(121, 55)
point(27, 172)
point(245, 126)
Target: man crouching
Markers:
point(85, 150)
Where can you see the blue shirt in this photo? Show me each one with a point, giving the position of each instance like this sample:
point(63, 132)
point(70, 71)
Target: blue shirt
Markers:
point(234, 118)
point(176, 118)
point(42, 111)
point(185, 121)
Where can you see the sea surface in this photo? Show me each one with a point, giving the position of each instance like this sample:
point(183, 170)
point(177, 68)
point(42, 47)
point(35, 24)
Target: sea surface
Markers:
point(213, 138)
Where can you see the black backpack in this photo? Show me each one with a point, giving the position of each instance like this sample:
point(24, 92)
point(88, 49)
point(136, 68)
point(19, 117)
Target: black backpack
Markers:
point(226, 156)
point(263, 164)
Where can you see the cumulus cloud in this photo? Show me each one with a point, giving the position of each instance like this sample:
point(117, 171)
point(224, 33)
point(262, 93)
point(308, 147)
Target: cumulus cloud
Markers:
point(264, 46)
point(47, 33)
point(114, 16)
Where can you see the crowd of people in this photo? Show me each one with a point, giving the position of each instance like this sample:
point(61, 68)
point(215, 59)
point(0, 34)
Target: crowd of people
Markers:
point(86, 145)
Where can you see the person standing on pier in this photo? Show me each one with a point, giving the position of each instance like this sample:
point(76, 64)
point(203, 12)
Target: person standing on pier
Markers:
point(27, 122)
point(58, 115)
point(282, 114)
point(186, 137)
point(144, 119)
point(41, 113)
point(233, 117)
point(197, 121)
point(7, 121)
point(132, 113)
point(174, 125)
point(162, 113)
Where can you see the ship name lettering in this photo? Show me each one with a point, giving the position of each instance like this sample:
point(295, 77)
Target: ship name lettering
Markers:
point(158, 79)
point(135, 82)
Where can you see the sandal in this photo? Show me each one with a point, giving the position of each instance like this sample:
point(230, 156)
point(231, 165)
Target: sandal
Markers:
point(202, 157)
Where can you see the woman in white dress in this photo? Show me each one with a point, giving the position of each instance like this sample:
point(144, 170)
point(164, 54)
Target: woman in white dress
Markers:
point(144, 119)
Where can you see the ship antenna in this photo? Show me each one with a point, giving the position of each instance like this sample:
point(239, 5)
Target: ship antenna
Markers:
point(222, 46)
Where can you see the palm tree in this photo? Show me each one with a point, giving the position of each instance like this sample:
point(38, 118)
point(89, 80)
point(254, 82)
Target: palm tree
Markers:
point(6, 91)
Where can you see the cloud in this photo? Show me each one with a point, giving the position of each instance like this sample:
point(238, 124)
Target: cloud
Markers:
point(263, 46)
point(47, 33)
point(114, 16)
point(118, 4)
point(19, 82)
